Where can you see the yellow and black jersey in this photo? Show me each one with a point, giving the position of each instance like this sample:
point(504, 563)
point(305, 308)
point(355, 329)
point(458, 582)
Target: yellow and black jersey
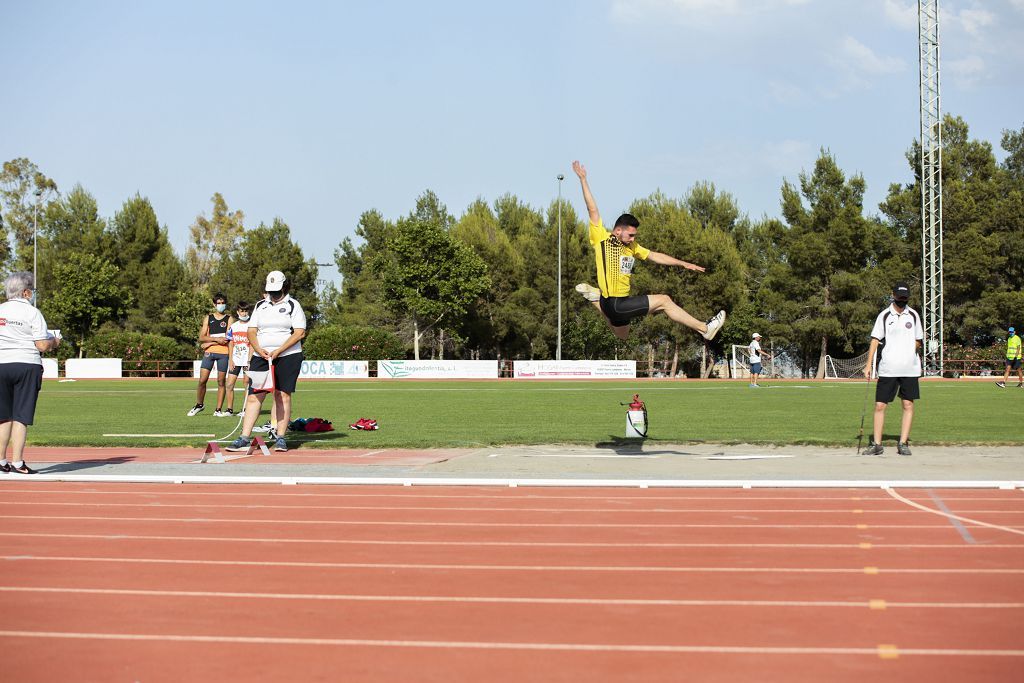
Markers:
point(614, 260)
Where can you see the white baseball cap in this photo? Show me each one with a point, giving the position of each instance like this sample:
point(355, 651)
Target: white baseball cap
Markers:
point(757, 336)
point(275, 281)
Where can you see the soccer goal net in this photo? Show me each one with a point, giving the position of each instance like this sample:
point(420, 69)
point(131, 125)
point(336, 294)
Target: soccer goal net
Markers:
point(740, 362)
point(845, 368)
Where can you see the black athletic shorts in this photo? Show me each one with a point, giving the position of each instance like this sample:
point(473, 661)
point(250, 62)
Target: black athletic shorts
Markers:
point(621, 309)
point(286, 371)
point(19, 388)
point(887, 388)
point(1013, 364)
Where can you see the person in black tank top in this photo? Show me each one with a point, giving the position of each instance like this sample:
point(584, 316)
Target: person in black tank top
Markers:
point(213, 340)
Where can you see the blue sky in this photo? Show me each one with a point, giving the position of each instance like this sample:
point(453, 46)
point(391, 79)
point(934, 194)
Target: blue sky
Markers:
point(317, 111)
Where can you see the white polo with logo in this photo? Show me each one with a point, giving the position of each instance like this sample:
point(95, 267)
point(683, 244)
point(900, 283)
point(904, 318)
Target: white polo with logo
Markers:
point(899, 334)
point(275, 322)
point(21, 326)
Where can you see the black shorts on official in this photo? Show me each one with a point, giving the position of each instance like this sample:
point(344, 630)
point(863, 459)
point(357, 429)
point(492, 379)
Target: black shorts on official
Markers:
point(236, 370)
point(887, 388)
point(1013, 364)
point(286, 371)
point(19, 388)
point(621, 309)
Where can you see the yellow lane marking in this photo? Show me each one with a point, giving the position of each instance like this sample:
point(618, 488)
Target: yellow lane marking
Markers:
point(888, 652)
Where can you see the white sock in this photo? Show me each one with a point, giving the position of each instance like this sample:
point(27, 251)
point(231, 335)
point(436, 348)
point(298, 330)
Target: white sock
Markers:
point(3, 461)
point(19, 463)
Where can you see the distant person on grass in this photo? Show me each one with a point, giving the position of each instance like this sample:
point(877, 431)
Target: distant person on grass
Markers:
point(755, 359)
point(23, 337)
point(615, 253)
point(897, 337)
point(276, 330)
point(213, 339)
point(1013, 359)
point(239, 352)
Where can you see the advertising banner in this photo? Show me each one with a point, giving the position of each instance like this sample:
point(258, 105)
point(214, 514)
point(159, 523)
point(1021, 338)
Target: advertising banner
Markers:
point(92, 368)
point(437, 369)
point(322, 369)
point(334, 369)
point(574, 369)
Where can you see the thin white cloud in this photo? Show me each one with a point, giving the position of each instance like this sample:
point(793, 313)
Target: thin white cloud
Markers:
point(859, 58)
point(901, 13)
point(974, 20)
point(786, 157)
point(786, 92)
point(699, 11)
point(966, 72)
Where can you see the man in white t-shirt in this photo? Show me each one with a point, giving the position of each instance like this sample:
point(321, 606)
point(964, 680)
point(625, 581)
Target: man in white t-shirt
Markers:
point(755, 359)
point(897, 337)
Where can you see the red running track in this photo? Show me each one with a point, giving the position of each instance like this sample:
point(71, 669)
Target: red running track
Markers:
point(268, 583)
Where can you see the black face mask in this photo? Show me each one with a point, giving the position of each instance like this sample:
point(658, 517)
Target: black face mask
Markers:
point(900, 304)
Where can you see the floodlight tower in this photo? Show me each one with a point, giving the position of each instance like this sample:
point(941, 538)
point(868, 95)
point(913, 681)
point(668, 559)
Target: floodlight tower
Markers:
point(931, 186)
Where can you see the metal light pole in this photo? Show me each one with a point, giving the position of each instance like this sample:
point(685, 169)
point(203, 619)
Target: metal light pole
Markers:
point(35, 258)
point(558, 348)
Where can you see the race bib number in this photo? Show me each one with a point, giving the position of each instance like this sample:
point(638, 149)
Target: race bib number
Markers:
point(240, 354)
point(626, 264)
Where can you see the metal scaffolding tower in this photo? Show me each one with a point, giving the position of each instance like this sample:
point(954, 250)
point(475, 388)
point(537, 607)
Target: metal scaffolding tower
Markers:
point(931, 186)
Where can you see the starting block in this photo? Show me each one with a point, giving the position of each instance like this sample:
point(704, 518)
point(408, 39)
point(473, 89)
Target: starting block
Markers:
point(213, 451)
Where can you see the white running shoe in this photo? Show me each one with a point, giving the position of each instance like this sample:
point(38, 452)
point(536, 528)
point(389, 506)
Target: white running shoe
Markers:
point(263, 429)
point(589, 293)
point(714, 325)
point(198, 408)
point(219, 413)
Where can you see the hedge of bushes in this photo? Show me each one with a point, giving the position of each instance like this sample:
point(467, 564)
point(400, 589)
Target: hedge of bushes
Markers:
point(335, 342)
point(134, 348)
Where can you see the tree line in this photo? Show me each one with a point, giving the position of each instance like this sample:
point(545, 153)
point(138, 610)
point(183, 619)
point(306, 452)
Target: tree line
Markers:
point(484, 284)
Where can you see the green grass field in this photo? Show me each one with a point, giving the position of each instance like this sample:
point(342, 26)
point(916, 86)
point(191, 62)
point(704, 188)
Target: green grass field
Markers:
point(467, 414)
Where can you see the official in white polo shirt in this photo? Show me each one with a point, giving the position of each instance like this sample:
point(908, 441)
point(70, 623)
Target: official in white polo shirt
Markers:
point(896, 337)
point(23, 337)
point(276, 330)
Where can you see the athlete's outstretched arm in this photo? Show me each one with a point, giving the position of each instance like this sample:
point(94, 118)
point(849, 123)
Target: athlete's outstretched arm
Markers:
point(595, 216)
point(666, 260)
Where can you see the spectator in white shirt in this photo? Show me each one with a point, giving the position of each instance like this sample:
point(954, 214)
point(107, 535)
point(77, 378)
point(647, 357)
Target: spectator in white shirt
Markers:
point(755, 359)
point(276, 330)
point(896, 336)
point(23, 337)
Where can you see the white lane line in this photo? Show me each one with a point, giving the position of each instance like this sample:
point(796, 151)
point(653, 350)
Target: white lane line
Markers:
point(951, 516)
point(406, 523)
point(745, 457)
point(505, 544)
point(483, 645)
point(559, 483)
point(576, 455)
point(641, 602)
point(507, 567)
point(151, 504)
point(506, 494)
point(162, 435)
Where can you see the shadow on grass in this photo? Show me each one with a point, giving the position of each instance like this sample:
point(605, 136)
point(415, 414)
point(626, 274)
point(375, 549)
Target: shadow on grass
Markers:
point(623, 446)
point(78, 465)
